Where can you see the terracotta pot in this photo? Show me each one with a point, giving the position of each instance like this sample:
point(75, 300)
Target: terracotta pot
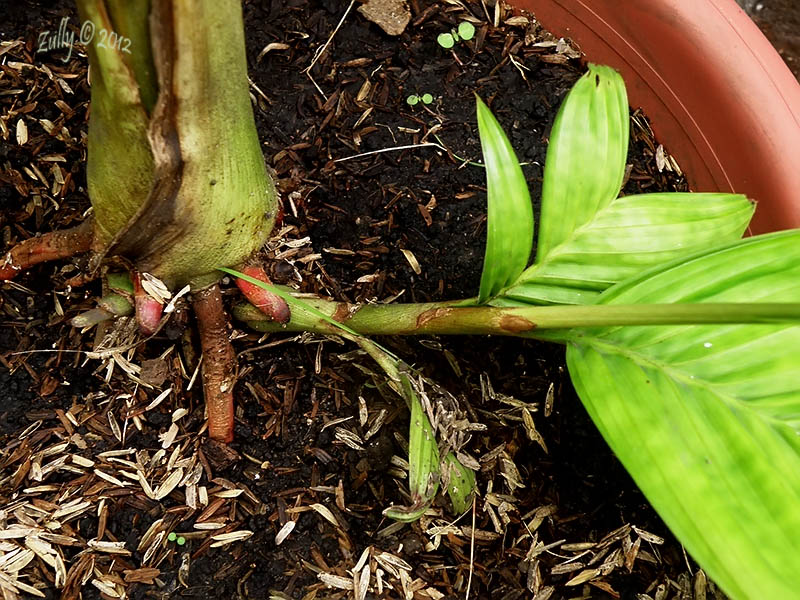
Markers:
point(719, 96)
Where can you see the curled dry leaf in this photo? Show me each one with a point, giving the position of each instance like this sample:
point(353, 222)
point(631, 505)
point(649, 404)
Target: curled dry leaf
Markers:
point(274, 46)
point(228, 494)
point(109, 547)
point(150, 534)
point(169, 484)
point(109, 478)
point(649, 537)
point(170, 435)
point(412, 260)
point(209, 525)
point(106, 587)
point(154, 546)
point(361, 582)
point(530, 429)
point(325, 512)
point(155, 288)
point(584, 576)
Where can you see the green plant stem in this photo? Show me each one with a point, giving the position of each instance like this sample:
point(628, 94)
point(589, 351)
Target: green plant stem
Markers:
point(445, 319)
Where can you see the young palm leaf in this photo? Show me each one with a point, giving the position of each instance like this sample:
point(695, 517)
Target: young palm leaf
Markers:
point(509, 222)
point(586, 156)
point(590, 239)
point(627, 236)
point(423, 460)
point(707, 418)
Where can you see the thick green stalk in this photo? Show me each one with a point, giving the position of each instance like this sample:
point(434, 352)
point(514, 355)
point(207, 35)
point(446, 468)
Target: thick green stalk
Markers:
point(119, 166)
point(175, 171)
point(445, 319)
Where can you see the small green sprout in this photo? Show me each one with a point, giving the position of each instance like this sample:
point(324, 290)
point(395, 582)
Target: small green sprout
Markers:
point(178, 539)
point(446, 40)
point(414, 99)
point(465, 31)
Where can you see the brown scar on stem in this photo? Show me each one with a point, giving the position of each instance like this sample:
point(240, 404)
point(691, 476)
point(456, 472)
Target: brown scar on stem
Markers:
point(429, 315)
point(345, 311)
point(516, 324)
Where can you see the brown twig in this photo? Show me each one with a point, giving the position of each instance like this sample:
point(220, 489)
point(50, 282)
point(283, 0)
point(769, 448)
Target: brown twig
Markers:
point(219, 361)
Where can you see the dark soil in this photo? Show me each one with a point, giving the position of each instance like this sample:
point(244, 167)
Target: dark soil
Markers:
point(358, 215)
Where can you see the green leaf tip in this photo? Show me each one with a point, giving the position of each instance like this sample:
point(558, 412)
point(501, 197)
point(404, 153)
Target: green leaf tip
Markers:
point(586, 156)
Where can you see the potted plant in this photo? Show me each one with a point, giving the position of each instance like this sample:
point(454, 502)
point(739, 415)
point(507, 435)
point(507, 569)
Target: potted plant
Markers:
point(515, 325)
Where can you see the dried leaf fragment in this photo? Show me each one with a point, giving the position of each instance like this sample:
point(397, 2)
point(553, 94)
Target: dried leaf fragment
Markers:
point(287, 528)
point(22, 133)
point(270, 48)
point(336, 581)
point(412, 260)
point(224, 539)
point(109, 547)
point(169, 484)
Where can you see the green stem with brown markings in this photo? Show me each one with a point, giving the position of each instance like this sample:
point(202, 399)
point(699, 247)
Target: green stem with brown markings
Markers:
point(442, 318)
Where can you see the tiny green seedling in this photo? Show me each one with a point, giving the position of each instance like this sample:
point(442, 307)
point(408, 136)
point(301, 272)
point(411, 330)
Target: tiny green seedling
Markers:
point(414, 99)
point(465, 31)
point(178, 539)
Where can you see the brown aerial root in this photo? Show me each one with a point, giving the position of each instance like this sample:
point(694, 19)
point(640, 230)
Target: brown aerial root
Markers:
point(50, 246)
point(219, 361)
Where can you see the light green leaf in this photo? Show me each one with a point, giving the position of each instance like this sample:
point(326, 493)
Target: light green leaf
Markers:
point(446, 40)
point(423, 459)
point(627, 236)
point(460, 483)
point(707, 418)
point(586, 156)
point(466, 30)
point(509, 222)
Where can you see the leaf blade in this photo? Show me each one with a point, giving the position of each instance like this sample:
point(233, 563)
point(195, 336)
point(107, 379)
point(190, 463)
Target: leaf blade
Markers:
point(627, 236)
point(509, 221)
point(585, 161)
point(707, 418)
